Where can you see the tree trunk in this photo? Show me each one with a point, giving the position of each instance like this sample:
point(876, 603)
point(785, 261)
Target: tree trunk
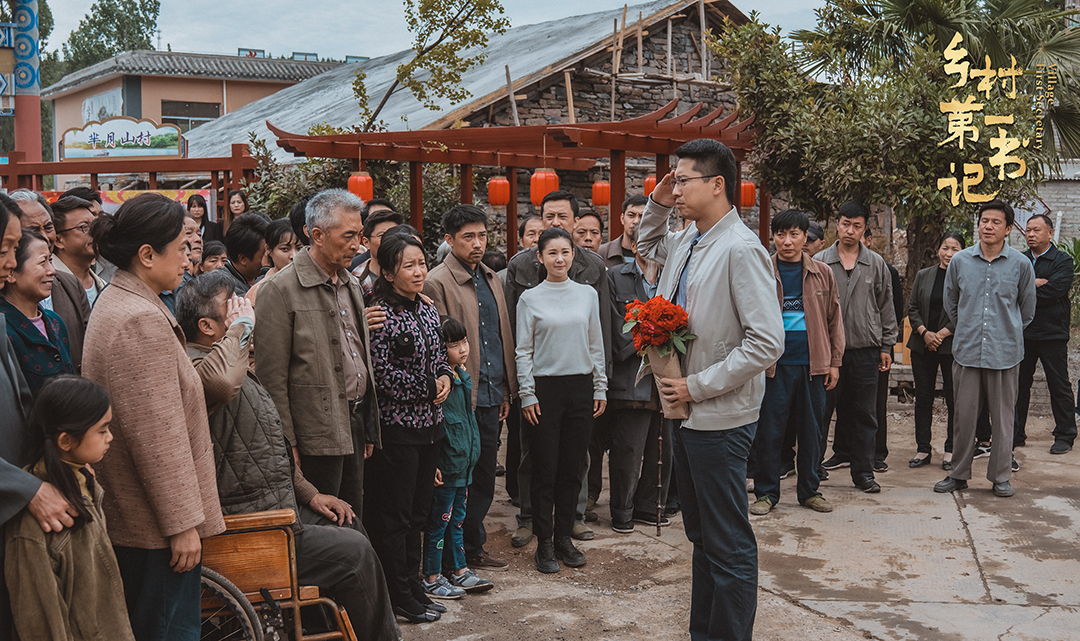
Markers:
point(923, 235)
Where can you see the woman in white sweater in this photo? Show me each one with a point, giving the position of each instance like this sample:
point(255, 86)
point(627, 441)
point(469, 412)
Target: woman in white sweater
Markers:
point(563, 387)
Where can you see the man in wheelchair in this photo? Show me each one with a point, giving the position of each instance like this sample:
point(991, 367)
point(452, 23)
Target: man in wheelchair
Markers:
point(255, 469)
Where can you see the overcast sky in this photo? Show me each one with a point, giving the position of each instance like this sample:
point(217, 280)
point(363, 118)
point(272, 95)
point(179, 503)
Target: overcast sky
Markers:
point(350, 27)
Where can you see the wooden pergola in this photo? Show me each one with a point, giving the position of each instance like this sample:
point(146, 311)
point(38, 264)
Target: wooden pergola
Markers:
point(574, 147)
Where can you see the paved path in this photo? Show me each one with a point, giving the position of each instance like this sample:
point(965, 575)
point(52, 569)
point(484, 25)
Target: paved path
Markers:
point(903, 564)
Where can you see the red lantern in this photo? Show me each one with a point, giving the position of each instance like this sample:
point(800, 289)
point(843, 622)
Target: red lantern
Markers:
point(544, 181)
point(601, 193)
point(650, 185)
point(499, 191)
point(361, 184)
point(749, 195)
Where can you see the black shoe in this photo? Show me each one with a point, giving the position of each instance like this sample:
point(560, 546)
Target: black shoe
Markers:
point(622, 527)
point(870, 486)
point(835, 463)
point(568, 554)
point(822, 474)
point(545, 557)
point(650, 519)
point(881, 466)
point(1019, 441)
point(788, 471)
point(982, 450)
point(422, 598)
point(1003, 489)
point(949, 484)
point(671, 511)
point(919, 462)
point(946, 465)
point(417, 613)
point(1015, 465)
point(500, 470)
point(1060, 447)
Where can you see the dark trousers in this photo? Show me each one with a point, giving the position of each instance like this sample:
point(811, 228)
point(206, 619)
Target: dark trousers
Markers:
point(657, 470)
point(1055, 361)
point(559, 449)
point(162, 605)
point(790, 394)
point(711, 470)
point(400, 481)
point(854, 400)
point(482, 490)
point(924, 369)
point(342, 563)
point(340, 476)
point(630, 430)
point(881, 438)
point(598, 445)
point(513, 449)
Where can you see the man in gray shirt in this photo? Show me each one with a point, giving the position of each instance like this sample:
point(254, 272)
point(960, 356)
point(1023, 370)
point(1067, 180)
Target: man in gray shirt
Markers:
point(990, 295)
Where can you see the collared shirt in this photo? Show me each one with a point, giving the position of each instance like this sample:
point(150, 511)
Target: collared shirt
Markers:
point(352, 346)
point(990, 302)
point(1034, 258)
point(650, 288)
point(489, 391)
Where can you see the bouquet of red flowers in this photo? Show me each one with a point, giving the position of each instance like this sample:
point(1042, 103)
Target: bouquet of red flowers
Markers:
point(660, 329)
point(657, 323)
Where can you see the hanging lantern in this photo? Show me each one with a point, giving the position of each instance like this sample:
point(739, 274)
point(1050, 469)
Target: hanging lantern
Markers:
point(499, 191)
point(650, 185)
point(361, 185)
point(544, 181)
point(601, 193)
point(749, 195)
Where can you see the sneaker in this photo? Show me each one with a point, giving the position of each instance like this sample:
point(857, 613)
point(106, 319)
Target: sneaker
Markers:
point(881, 466)
point(749, 485)
point(582, 532)
point(787, 473)
point(441, 589)
point(487, 562)
point(470, 582)
point(835, 463)
point(622, 527)
point(500, 470)
point(649, 518)
point(762, 506)
point(982, 450)
point(870, 486)
point(1060, 447)
point(822, 474)
point(818, 504)
point(1015, 465)
point(417, 614)
point(521, 537)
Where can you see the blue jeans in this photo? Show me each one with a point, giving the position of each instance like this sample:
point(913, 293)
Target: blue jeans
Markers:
point(163, 605)
point(447, 515)
point(711, 470)
point(793, 393)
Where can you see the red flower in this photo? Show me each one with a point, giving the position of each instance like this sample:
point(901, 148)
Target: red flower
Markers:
point(654, 322)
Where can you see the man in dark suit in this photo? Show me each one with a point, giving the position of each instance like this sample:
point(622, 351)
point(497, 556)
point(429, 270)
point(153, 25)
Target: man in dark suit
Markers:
point(1046, 339)
point(621, 250)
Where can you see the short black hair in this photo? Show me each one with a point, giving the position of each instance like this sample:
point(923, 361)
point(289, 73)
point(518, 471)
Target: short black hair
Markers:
point(867, 233)
point(496, 261)
point(635, 200)
point(1045, 218)
point(955, 236)
point(711, 157)
point(379, 218)
point(453, 330)
point(999, 205)
point(298, 218)
point(66, 204)
point(195, 300)
point(595, 215)
point(243, 197)
point(457, 217)
point(403, 228)
point(790, 219)
point(525, 221)
point(852, 210)
point(85, 193)
point(375, 202)
point(550, 234)
point(211, 249)
point(246, 233)
point(560, 194)
point(276, 230)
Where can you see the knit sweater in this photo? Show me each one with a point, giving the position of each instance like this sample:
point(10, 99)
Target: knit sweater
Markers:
point(559, 334)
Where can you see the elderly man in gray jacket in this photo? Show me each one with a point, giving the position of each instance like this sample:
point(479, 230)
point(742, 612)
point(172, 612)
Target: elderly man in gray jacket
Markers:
point(720, 273)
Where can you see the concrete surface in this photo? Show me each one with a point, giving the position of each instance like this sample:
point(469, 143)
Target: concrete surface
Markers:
point(903, 564)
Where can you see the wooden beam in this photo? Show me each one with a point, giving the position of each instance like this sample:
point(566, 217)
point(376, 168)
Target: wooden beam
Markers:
point(513, 98)
point(614, 66)
point(152, 180)
point(704, 46)
point(764, 214)
point(512, 213)
point(466, 185)
point(416, 195)
point(618, 193)
point(569, 96)
point(640, 52)
point(663, 166)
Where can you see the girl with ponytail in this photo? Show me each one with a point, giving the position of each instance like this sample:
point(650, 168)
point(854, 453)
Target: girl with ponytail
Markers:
point(66, 585)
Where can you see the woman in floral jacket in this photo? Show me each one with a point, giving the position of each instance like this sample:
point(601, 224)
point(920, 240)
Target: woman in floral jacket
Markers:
point(412, 378)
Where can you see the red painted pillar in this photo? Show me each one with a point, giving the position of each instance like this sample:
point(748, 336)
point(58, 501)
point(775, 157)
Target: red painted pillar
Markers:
point(512, 213)
point(466, 185)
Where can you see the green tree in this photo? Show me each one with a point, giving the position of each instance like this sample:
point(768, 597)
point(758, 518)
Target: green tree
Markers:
point(441, 29)
point(111, 27)
point(870, 132)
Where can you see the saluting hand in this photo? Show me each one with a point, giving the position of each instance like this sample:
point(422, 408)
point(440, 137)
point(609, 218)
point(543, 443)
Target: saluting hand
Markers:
point(664, 194)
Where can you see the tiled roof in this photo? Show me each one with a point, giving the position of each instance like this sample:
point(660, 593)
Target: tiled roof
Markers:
point(198, 65)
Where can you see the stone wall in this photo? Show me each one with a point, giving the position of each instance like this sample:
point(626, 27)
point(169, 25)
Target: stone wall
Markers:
point(1063, 196)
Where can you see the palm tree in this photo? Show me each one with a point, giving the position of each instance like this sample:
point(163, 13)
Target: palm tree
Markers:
point(1036, 32)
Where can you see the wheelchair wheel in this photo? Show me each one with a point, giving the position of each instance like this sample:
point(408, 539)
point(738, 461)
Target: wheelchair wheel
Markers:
point(231, 616)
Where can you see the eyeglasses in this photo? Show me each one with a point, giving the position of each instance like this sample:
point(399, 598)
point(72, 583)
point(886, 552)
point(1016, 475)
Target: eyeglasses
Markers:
point(84, 228)
point(681, 182)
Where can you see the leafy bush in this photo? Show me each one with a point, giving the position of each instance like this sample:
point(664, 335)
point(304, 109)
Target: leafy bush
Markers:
point(1071, 246)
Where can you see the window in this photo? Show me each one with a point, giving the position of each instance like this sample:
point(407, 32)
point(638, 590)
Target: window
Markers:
point(188, 115)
